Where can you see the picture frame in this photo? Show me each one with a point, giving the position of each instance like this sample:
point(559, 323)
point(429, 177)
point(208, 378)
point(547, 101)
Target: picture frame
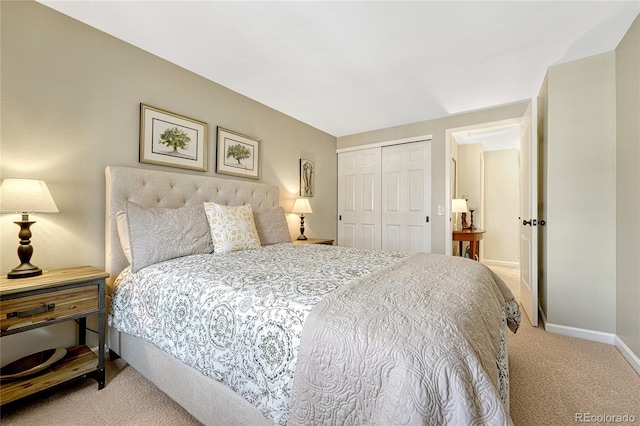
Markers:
point(307, 178)
point(169, 139)
point(237, 154)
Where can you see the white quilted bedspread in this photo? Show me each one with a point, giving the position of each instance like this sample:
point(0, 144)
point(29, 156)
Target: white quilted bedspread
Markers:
point(418, 343)
point(428, 345)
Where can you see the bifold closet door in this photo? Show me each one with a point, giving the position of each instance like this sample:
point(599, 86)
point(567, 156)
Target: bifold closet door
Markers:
point(359, 217)
point(406, 197)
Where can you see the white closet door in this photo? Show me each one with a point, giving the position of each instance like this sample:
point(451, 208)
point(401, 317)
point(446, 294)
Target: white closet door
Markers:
point(406, 197)
point(359, 199)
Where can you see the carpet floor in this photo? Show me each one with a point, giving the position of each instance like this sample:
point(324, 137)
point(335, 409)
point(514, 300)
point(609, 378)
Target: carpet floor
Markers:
point(561, 380)
point(555, 380)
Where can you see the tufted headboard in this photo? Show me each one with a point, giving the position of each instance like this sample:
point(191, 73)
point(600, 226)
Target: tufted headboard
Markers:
point(152, 188)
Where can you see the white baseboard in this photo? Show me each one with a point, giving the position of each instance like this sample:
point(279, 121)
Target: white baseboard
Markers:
point(501, 263)
point(595, 336)
point(627, 354)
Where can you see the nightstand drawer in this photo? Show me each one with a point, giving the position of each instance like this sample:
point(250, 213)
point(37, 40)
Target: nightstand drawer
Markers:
point(49, 306)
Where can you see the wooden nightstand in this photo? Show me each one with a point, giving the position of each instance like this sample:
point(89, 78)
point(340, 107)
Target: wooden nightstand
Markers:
point(54, 297)
point(315, 241)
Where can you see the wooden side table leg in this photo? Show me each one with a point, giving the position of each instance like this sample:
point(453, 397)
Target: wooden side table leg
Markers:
point(472, 249)
point(475, 253)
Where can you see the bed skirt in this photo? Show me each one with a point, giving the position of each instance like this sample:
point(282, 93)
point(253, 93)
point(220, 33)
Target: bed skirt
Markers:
point(208, 400)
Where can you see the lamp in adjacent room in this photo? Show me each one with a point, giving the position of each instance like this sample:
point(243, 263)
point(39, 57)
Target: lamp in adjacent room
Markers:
point(25, 196)
point(302, 206)
point(459, 205)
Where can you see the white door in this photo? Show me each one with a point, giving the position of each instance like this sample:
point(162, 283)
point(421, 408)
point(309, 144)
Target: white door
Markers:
point(359, 183)
point(529, 229)
point(406, 197)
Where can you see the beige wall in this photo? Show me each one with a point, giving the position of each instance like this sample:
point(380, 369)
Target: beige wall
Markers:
point(628, 188)
point(437, 129)
point(502, 206)
point(580, 200)
point(70, 107)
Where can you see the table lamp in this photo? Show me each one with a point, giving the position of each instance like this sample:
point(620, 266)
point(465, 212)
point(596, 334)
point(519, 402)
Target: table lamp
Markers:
point(301, 206)
point(25, 196)
point(459, 205)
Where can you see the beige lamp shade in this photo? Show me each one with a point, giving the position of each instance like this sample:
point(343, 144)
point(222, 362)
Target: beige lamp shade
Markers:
point(26, 196)
point(458, 205)
point(302, 206)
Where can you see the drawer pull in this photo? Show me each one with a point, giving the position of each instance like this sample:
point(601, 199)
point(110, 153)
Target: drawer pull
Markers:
point(24, 314)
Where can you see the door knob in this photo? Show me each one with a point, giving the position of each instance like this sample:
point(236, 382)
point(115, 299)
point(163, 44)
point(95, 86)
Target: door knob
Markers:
point(526, 222)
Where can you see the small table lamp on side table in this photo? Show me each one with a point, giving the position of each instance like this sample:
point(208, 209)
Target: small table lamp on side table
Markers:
point(302, 206)
point(459, 205)
point(25, 196)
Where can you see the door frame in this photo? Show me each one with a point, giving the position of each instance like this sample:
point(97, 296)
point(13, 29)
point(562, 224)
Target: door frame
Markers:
point(426, 138)
point(447, 168)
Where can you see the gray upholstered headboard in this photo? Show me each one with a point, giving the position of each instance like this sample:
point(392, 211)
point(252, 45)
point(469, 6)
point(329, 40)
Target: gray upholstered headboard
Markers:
point(152, 188)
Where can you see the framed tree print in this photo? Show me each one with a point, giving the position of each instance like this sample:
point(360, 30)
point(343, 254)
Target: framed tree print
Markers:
point(237, 154)
point(169, 139)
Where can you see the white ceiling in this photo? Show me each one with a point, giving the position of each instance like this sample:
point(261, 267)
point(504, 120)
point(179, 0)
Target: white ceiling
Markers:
point(348, 67)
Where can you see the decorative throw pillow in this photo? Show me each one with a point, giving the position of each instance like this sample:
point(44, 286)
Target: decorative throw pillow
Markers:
point(123, 233)
point(158, 234)
point(232, 227)
point(272, 227)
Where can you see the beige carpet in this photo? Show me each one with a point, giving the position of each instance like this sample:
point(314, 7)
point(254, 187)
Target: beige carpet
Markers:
point(553, 379)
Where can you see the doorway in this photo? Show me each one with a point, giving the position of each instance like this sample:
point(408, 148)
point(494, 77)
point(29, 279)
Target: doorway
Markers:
point(487, 175)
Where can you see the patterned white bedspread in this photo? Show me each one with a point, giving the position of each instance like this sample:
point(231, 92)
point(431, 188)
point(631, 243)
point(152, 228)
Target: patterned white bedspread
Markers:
point(418, 343)
point(238, 317)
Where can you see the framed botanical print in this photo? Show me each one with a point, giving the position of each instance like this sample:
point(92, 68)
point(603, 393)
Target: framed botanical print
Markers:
point(169, 139)
point(237, 154)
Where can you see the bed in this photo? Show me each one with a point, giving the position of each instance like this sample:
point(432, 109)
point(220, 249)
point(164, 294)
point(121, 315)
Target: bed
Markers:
point(276, 332)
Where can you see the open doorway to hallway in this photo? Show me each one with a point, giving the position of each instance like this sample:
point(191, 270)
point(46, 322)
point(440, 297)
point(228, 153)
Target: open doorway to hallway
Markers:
point(486, 172)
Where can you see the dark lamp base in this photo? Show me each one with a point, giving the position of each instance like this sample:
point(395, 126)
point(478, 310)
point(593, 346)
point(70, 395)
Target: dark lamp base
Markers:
point(302, 237)
point(25, 270)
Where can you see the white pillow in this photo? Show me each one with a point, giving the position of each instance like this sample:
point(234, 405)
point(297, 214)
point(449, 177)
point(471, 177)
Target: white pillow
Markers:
point(232, 227)
point(158, 234)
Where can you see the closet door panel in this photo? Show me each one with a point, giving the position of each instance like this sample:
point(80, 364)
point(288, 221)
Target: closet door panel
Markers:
point(359, 199)
point(406, 194)
point(384, 197)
